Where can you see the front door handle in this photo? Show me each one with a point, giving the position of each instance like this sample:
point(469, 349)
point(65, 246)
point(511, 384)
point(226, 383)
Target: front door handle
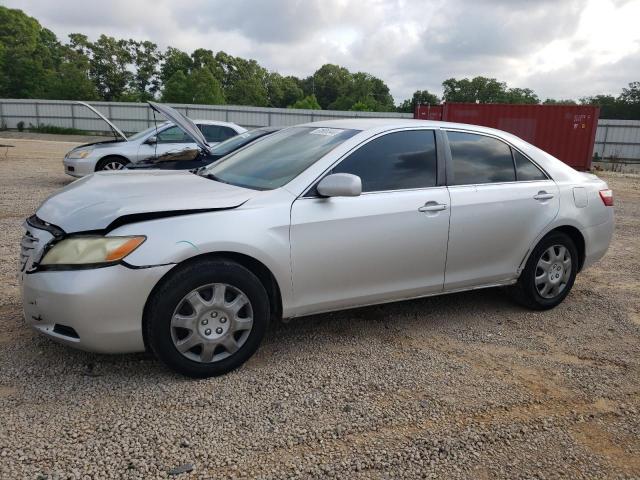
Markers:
point(432, 207)
point(542, 195)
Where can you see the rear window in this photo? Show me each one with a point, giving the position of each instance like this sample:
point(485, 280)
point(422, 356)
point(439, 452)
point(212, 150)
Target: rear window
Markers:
point(216, 133)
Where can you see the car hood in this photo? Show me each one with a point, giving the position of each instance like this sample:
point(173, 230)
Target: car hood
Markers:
point(105, 199)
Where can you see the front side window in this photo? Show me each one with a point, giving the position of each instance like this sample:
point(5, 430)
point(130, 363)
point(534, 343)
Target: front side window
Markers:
point(480, 159)
point(173, 135)
point(525, 169)
point(396, 161)
point(279, 158)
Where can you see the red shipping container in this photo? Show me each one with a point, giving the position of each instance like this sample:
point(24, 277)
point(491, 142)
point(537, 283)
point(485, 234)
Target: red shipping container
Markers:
point(567, 132)
point(428, 112)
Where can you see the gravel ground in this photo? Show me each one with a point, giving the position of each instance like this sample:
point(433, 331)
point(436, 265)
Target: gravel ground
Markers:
point(460, 386)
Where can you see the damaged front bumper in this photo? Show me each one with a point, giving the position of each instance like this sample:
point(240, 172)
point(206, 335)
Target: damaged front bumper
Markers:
point(98, 310)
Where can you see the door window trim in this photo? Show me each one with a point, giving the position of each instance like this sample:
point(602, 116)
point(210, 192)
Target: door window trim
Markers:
point(440, 163)
point(449, 160)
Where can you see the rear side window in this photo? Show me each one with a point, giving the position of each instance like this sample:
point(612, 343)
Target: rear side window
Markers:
point(480, 159)
point(525, 169)
point(396, 161)
point(216, 133)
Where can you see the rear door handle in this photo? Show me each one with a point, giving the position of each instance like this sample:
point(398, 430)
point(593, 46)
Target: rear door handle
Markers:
point(432, 207)
point(543, 196)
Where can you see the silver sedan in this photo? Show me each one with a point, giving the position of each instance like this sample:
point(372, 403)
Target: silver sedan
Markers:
point(153, 142)
point(314, 218)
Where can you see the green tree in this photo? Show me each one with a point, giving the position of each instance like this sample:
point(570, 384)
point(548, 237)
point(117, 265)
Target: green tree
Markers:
point(631, 95)
point(326, 83)
point(480, 89)
point(28, 55)
point(199, 86)
point(71, 80)
point(420, 97)
point(109, 61)
point(310, 102)
point(552, 101)
point(146, 59)
point(599, 100)
point(174, 60)
point(177, 89)
point(205, 88)
point(521, 95)
point(365, 90)
point(283, 91)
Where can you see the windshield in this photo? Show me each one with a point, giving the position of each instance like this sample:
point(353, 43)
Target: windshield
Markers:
point(145, 132)
point(236, 142)
point(279, 158)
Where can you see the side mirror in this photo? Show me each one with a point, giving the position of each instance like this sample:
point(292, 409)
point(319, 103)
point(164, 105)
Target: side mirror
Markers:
point(340, 185)
point(151, 140)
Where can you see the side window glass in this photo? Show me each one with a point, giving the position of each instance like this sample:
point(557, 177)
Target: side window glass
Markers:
point(396, 161)
point(173, 135)
point(480, 159)
point(216, 133)
point(525, 169)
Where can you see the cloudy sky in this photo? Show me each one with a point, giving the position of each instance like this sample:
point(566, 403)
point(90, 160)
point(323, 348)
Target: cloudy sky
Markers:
point(559, 48)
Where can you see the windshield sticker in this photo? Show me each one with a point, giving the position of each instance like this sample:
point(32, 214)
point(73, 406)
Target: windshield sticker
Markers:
point(329, 132)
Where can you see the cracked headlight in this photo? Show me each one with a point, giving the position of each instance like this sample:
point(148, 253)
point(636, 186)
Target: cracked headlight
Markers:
point(90, 251)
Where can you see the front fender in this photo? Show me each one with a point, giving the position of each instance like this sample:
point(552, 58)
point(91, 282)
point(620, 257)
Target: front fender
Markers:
point(262, 234)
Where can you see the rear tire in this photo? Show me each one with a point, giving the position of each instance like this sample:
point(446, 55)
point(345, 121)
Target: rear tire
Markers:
point(549, 273)
point(111, 163)
point(207, 318)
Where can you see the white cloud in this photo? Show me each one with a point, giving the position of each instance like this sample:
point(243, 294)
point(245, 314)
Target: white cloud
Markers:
point(561, 49)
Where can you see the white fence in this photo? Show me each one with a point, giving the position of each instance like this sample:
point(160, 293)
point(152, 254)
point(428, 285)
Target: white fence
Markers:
point(133, 117)
point(617, 139)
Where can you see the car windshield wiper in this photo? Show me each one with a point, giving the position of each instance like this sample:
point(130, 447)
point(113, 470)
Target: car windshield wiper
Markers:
point(211, 176)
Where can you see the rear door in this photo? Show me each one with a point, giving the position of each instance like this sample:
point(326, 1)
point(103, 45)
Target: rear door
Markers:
point(388, 243)
point(500, 202)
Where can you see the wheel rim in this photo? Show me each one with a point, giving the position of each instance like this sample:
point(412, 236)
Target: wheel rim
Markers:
point(113, 166)
point(553, 271)
point(211, 322)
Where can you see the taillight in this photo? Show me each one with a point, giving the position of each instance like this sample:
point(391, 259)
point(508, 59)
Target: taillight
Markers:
point(607, 197)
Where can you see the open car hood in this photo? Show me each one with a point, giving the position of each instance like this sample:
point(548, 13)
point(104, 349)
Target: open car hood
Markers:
point(105, 200)
point(184, 123)
point(115, 129)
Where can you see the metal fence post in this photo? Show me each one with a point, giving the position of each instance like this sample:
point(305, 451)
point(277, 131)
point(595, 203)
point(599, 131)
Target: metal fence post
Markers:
point(73, 116)
point(3, 124)
point(37, 114)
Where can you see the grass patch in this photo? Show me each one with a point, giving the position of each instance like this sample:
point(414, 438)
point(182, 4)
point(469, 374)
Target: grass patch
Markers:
point(56, 130)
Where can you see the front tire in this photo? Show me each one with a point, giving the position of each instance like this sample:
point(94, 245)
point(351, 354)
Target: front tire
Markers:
point(207, 318)
point(111, 163)
point(549, 273)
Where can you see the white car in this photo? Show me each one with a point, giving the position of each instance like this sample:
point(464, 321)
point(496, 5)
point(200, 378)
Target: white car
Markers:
point(313, 218)
point(149, 143)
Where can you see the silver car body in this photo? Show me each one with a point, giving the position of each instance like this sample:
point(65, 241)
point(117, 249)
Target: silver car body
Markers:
point(324, 253)
point(137, 147)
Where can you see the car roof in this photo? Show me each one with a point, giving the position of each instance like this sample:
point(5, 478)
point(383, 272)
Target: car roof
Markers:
point(365, 124)
point(220, 123)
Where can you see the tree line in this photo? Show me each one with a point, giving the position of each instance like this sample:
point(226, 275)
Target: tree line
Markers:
point(35, 64)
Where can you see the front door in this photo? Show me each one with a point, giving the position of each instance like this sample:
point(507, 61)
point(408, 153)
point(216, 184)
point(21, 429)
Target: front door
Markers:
point(389, 243)
point(171, 139)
